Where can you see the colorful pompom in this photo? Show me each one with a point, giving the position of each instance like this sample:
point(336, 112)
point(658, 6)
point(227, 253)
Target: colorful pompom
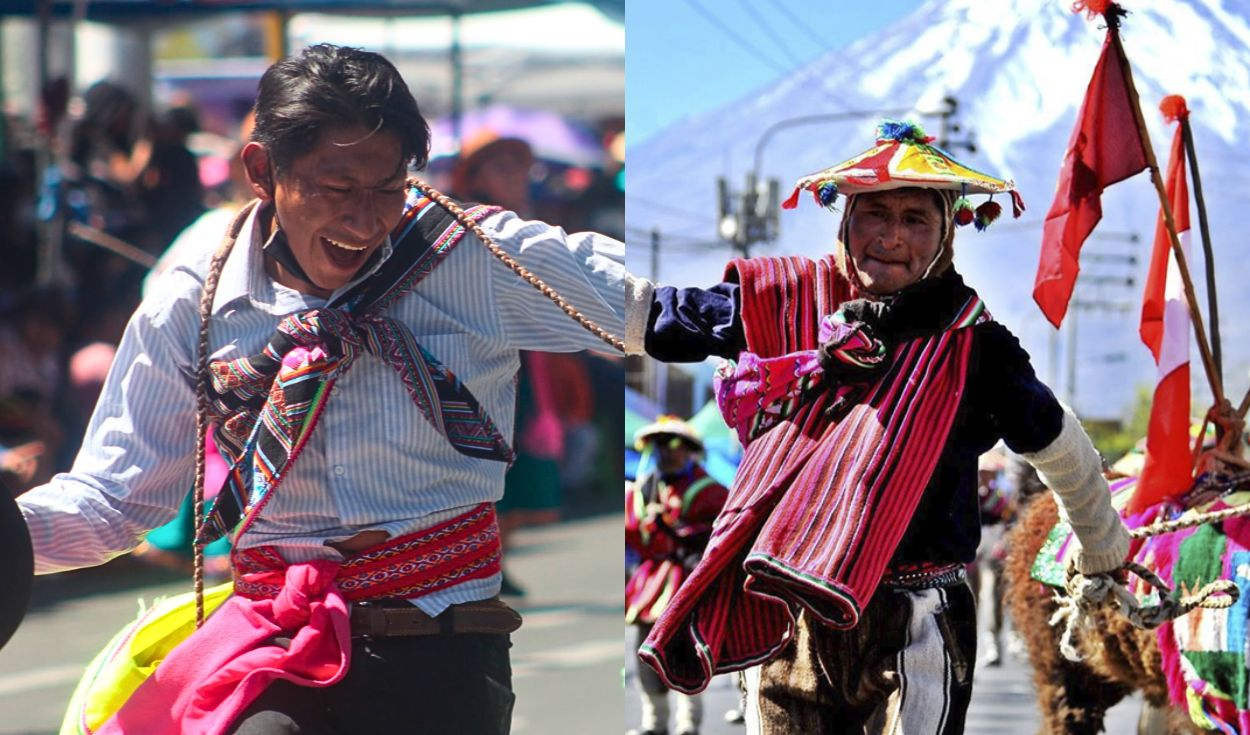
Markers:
point(902, 132)
point(1174, 108)
point(827, 194)
point(986, 214)
point(963, 214)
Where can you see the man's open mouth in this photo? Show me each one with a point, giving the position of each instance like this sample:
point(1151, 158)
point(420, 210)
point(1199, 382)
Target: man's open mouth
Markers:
point(346, 245)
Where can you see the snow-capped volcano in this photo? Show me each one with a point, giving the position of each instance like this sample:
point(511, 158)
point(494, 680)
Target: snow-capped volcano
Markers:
point(1019, 71)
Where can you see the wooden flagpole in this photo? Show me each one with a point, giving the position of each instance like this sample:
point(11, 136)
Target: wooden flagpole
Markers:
point(1112, 15)
point(1213, 309)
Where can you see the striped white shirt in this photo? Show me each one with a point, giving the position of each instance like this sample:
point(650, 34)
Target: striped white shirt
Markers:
point(373, 462)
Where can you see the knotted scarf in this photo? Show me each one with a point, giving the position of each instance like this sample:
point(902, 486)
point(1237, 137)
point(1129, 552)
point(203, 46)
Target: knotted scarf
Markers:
point(833, 472)
point(269, 403)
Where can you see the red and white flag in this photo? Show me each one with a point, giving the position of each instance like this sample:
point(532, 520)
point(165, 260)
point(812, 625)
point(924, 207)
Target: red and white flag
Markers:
point(1165, 328)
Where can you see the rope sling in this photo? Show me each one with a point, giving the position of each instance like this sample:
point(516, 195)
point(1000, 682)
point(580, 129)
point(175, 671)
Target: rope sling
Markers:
point(202, 403)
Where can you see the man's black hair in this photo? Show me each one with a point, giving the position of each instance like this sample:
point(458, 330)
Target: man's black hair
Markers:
point(301, 96)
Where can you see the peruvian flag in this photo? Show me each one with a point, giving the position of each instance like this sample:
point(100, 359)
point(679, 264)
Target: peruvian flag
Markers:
point(1105, 147)
point(1165, 330)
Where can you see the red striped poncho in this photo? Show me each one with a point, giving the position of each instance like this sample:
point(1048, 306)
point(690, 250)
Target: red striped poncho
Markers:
point(819, 504)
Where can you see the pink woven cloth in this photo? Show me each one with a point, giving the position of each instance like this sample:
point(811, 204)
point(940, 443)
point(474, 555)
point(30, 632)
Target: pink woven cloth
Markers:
point(208, 680)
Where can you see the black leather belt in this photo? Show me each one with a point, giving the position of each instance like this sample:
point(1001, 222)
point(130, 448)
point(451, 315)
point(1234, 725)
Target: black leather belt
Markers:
point(390, 618)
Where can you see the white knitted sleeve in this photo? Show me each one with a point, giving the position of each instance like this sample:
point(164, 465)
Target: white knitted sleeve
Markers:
point(639, 293)
point(1071, 467)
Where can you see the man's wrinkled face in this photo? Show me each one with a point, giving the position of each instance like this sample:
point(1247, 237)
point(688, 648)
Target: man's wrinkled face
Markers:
point(893, 238)
point(336, 203)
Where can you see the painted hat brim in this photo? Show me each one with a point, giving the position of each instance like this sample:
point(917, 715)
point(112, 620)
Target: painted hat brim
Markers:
point(17, 566)
point(892, 165)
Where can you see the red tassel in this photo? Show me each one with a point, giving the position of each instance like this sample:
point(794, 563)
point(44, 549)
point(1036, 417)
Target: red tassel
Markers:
point(1090, 7)
point(1017, 204)
point(1174, 108)
point(793, 201)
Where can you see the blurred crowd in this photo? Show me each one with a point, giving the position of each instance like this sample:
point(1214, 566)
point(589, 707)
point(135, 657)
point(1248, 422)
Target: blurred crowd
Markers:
point(101, 167)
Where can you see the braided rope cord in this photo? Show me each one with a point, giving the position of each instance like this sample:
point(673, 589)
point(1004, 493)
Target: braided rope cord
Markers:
point(202, 379)
point(443, 201)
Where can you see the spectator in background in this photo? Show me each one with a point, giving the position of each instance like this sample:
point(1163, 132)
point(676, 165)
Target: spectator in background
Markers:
point(997, 509)
point(575, 406)
point(169, 184)
point(668, 521)
point(492, 169)
point(32, 337)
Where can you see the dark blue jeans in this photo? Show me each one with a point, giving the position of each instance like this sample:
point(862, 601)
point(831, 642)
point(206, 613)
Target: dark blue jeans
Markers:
point(423, 685)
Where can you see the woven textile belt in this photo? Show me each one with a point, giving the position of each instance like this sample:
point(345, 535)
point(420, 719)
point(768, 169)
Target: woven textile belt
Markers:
point(926, 577)
point(458, 550)
point(394, 618)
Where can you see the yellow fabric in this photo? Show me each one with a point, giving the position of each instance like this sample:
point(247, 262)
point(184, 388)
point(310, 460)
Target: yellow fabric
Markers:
point(131, 657)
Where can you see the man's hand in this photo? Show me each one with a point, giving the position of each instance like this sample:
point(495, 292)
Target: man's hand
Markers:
point(22, 461)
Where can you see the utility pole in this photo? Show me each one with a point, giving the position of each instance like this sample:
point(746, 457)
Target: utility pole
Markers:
point(1085, 303)
point(753, 217)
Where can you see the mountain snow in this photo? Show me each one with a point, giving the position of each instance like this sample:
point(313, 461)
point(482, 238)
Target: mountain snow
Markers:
point(1019, 70)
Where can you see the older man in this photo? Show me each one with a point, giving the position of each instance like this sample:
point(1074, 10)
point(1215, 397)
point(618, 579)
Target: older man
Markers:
point(865, 387)
point(356, 322)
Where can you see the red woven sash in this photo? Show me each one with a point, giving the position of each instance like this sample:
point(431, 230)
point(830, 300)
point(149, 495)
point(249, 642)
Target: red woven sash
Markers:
point(458, 550)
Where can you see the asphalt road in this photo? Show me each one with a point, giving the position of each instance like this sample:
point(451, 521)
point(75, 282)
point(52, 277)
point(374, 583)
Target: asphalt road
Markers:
point(566, 657)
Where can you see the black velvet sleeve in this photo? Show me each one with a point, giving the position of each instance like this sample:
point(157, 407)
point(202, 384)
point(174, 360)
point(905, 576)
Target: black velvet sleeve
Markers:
point(692, 324)
point(1022, 408)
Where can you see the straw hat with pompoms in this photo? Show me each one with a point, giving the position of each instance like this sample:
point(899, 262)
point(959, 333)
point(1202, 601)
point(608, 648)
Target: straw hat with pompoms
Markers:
point(904, 156)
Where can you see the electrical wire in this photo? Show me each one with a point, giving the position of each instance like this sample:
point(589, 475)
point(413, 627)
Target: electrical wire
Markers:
point(804, 27)
point(736, 38)
point(748, 6)
point(670, 209)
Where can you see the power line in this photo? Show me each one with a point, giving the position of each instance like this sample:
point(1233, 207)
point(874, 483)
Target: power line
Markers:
point(676, 237)
point(768, 31)
point(737, 38)
point(804, 70)
point(804, 27)
point(704, 218)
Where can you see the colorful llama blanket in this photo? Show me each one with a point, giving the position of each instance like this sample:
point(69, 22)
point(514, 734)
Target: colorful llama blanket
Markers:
point(1204, 652)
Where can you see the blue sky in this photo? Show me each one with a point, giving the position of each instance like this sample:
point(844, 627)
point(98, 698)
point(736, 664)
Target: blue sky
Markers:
point(687, 56)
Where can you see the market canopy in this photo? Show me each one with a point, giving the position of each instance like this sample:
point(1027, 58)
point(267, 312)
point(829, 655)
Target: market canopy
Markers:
point(120, 11)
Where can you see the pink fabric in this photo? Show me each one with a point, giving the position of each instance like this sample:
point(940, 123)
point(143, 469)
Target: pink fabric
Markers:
point(212, 676)
point(216, 469)
point(757, 393)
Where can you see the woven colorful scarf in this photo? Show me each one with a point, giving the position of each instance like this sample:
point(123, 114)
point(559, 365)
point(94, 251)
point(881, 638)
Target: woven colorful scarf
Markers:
point(825, 491)
point(269, 403)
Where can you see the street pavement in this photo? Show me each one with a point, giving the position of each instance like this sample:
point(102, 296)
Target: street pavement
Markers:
point(565, 658)
point(1003, 701)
